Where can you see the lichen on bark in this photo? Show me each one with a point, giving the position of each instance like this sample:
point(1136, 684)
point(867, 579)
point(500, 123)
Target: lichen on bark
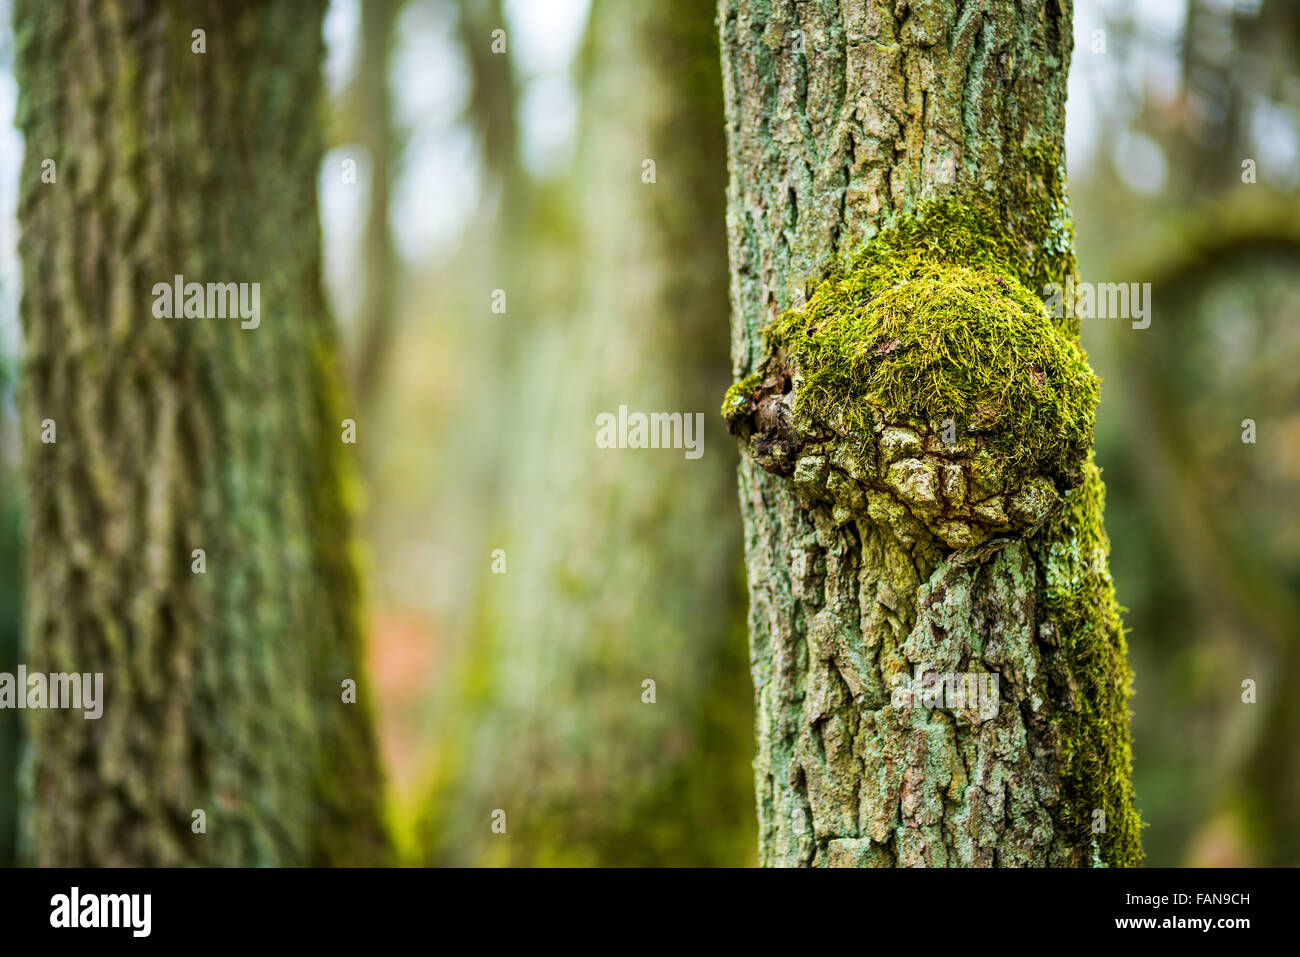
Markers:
point(917, 481)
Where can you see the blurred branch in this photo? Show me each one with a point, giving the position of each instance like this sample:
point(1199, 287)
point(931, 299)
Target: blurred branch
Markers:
point(1192, 252)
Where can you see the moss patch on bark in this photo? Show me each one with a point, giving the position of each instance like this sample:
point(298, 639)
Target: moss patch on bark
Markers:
point(926, 373)
point(1082, 616)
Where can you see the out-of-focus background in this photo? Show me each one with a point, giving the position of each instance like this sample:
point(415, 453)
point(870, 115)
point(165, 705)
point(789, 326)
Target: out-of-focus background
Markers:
point(502, 271)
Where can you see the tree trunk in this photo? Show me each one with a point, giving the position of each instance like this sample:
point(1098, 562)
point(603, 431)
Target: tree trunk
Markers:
point(623, 564)
point(11, 588)
point(222, 689)
point(917, 487)
point(376, 320)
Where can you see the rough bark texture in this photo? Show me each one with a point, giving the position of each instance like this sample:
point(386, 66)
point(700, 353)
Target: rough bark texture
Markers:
point(845, 120)
point(222, 690)
point(624, 564)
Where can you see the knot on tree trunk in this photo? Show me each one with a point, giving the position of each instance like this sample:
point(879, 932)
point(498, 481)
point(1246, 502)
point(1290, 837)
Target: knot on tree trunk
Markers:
point(933, 396)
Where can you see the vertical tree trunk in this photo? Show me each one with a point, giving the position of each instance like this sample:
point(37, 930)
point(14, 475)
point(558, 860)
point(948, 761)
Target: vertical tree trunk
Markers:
point(222, 690)
point(11, 588)
point(376, 320)
point(623, 564)
point(917, 490)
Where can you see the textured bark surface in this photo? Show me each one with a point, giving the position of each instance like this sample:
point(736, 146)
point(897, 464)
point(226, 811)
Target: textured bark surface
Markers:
point(843, 118)
point(222, 690)
point(623, 564)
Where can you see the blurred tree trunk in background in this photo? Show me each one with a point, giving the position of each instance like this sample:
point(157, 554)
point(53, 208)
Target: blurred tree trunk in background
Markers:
point(492, 112)
point(11, 591)
point(623, 565)
point(841, 120)
point(494, 253)
point(222, 690)
point(373, 115)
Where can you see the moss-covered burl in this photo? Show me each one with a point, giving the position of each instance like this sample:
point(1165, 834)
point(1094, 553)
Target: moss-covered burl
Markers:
point(925, 387)
point(923, 402)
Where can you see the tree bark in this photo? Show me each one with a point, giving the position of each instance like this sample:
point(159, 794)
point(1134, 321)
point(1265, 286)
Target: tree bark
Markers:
point(222, 690)
point(846, 125)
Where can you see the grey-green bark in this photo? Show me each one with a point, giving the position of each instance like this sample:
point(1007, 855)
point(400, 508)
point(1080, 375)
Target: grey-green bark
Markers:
point(874, 548)
point(623, 564)
point(222, 690)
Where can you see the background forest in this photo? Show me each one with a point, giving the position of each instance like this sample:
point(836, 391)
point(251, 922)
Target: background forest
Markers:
point(501, 272)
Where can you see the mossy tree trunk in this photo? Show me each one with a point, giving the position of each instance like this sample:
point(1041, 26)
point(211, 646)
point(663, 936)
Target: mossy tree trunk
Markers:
point(222, 690)
point(623, 564)
point(917, 488)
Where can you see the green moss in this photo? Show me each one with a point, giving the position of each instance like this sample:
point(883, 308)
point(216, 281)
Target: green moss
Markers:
point(736, 397)
point(932, 323)
point(1093, 732)
point(1039, 207)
